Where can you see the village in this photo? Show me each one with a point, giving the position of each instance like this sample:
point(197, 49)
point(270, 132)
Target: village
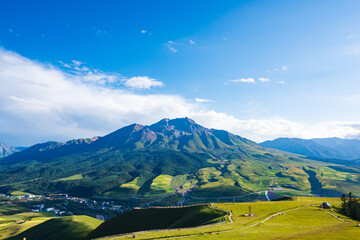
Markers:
point(64, 205)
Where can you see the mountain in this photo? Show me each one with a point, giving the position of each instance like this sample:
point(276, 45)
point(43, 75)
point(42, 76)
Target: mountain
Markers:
point(303, 147)
point(350, 148)
point(336, 148)
point(6, 150)
point(172, 155)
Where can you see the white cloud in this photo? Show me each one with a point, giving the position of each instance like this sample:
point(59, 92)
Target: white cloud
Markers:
point(262, 79)
point(142, 82)
point(281, 82)
point(145, 32)
point(39, 102)
point(243, 80)
point(171, 46)
point(263, 129)
point(204, 100)
point(192, 42)
point(172, 49)
point(76, 63)
point(284, 68)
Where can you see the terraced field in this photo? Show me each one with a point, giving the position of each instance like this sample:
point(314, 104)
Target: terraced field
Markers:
point(161, 185)
point(298, 219)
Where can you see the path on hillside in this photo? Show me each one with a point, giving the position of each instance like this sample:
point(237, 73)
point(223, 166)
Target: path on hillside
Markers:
point(230, 213)
point(230, 217)
point(231, 230)
point(266, 195)
point(337, 217)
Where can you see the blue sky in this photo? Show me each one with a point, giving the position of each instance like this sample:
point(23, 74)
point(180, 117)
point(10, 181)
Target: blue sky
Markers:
point(261, 69)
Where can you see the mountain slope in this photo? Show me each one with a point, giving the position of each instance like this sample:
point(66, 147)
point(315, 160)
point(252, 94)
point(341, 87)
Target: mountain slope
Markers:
point(170, 156)
point(6, 150)
point(303, 147)
point(349, 148)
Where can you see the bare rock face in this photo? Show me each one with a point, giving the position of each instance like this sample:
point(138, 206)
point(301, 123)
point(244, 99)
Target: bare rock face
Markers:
point(6, 150)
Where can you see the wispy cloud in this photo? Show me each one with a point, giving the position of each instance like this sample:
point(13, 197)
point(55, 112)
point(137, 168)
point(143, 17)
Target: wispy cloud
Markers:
point(192, 42)
point(263, 79)
point(243, 80)
point(145, 32)
point(78, 70)
point(172, 49)
point(204, 100)
point(282, 68)
point(142, 82)
point(12, 31)
point(96, 76)
point(171, 46)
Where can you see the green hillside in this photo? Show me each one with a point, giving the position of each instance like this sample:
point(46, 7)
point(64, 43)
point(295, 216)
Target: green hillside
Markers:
point(70, 228)
point(159, 218)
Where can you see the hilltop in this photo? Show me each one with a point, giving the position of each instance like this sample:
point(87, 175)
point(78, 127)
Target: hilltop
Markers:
point(159, 218)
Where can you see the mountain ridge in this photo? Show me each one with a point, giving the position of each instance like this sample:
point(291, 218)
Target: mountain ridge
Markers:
point(336, 148)
point(167, 157)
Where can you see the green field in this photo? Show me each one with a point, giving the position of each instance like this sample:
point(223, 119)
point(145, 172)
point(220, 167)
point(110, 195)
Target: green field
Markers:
point(161, 185)
point(303, 219)
point(73, 177)
point(69, 228)
point(15, 219)
point(127, 189)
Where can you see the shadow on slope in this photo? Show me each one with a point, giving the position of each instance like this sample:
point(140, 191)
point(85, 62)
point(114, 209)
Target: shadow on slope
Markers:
point(159, 218)
point(69, 228)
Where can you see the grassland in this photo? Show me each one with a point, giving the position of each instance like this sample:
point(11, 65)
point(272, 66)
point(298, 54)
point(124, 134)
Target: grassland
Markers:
point(303, 219)
point(161, 185)
point(15, 219)
point(70, 228)
point(71, 178)
point(127, 189)
point(19, 193)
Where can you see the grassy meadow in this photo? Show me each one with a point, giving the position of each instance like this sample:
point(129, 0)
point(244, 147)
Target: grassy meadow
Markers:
point(303, 219)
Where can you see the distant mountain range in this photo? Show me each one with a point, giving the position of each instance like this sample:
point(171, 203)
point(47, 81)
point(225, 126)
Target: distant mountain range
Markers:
point(336, 148)
point(6, 150)
point(172, 155)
